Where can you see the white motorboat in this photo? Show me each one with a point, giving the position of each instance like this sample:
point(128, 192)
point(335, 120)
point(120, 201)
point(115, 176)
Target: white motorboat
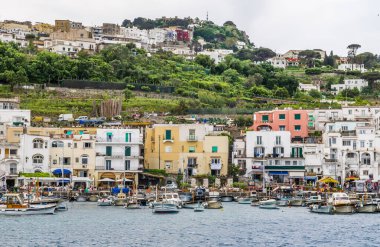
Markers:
point(199, 208)
point(106, 201)
point(172, 198)
point(341, 203)
point(314, 200)
point(244, 200)
point(165, 208)
point(296, 201)
point(121, 199)
point(321, 209)
point(15, 205)
point(213, 205)
point(268, 204)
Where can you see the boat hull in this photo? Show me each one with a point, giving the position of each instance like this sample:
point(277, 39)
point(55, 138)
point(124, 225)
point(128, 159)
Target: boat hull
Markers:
point(282, 203)
point(81, 199)
point(227, 199)
point(295, 203)
point(369, 208)
point(29, 211)
point(268, 206)
point(93, 198)
point(214, 205)
point(120, 202)
point(245, 201)
point(321, 209)
point(343, 209)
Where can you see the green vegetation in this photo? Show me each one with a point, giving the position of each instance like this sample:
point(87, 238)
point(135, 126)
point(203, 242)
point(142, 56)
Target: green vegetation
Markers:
point(35, 175)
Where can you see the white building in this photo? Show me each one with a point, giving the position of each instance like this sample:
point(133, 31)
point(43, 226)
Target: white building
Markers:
point(135, 33)
point(352, 67)
point(69, 47)
point(34, 153)
point(278, 61)
point(12, 117)
point(307, 87)
point(218, 54)
point(118, 150)
point(349, 84)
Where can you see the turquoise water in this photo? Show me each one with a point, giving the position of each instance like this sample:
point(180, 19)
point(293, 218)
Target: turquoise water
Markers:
point(86, 224)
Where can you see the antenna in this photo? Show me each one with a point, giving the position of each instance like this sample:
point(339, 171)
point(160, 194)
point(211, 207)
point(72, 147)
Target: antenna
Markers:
point(207, 16)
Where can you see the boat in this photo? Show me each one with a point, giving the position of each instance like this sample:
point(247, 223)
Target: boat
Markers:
point(15, 205)
point(186, 197)
point(172, 198)
point(165, 208)
point(296, 201)
point(121, 199)
point(62, 206)
point(341, 203)
point(105, 201)
point(283, 202)
point(213, 205)
point(367, 206)
point(313, 200)
point(255, 202)
point(132, 203)
point(226, 198)
point(199, 208)
point(321, 208)
point(93, 198)
point(268, 206)
point(200, 193)
point(213, 196)
point(244, 200)
point(81, 198)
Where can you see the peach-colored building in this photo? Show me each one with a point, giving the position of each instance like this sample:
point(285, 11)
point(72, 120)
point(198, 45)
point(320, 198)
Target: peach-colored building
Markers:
point(295, 121)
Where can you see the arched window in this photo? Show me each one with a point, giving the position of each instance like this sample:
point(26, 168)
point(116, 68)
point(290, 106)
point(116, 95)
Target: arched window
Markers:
point(38, 159)
point(57, 144)
point(366, 159)
point(84, 159)
point(37, 171)
point(38, 143)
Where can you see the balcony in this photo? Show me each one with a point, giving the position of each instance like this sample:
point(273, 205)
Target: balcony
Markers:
point(216, 166)
point(192, 138)
point(331, 160)
point(11, 156)
point(168, 140)
point(348, 133)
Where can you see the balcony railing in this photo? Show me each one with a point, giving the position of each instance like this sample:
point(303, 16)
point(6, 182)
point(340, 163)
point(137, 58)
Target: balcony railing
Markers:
point(192, 138)
point(331, 160)
point(12, 156)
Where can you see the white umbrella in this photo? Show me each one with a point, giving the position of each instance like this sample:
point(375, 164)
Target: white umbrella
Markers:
point(106, 180)
point(126, 180)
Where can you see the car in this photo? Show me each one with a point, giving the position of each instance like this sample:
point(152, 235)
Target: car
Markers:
point(170, 185)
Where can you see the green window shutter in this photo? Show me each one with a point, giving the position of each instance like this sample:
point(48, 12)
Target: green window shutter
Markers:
point(108, 150)
point(191, 149)
point(81, 132)
point(265, 118)
point(301, 154)
point(214, 149)
point(168, 135)
point(127, 151)
point(293, 152)
point(127, 137)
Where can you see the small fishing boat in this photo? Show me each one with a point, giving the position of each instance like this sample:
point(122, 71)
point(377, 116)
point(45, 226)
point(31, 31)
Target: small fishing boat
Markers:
point(226, 198)
point(81, 198)
point(213, 196)
point(213, 205)
point(367, 207)
point(255, 202)
point(283, 202)
point(296, 201)
point(93, 198)
point(244, 200)
point(186, 197)
point(165, 208)
point(105, 201)
point(268, 206)
point(62, 206)
point(199, 208)
point(314, 200)
point(132, 203)
point(321, 209)
point(172, 198)
point(121, 199)
point(15, 205)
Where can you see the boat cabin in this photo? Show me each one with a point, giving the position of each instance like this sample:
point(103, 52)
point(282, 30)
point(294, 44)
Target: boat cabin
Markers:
point(15, 201)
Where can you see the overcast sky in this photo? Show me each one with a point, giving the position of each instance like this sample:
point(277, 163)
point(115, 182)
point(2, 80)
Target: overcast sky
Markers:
point(277, 24)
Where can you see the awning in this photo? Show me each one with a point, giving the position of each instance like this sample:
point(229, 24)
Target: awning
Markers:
point(283, 173)
point(296, 174)
point(82, 179)
point(311, 178)
point(59, 172)
point(328, 180)
point(351, 178)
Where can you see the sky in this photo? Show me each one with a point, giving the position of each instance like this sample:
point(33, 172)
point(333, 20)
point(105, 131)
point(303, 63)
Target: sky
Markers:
point(281, 25)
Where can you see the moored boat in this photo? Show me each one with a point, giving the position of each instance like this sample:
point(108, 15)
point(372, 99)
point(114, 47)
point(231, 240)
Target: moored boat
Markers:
point(213, 205)
point(244, 200)
point(321, 209)
point(341, 203)
point(226, 198)
point(268, 206)
point(106, 201)
point(165, 208)
point(199, 208)
point(81, 198)
point(296, 202)
point(93, 198)
point(283, 202)
point(121, 199)
point(15, 205)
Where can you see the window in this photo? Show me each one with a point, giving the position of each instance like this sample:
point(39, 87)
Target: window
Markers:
point(128, 137)
point(282, 116)
point(86, 145)
point(38, 143)
point(66, 160)
point(278, 140)
point(108, 151)
point(84, 159)
point(344, 127)
point(57, 144)
point(349, 112)
point(109, 137)
point(331, 127)
point(191, 149)
point(13, 151)
point(127, 165)
point(168, 149)
point(168, 164)
point(362, 144)
point(259, 140)
point(265, 118)
point(362, 132)
point(38, 159)
point(168, 134)
point(282, 127)
point(297, 127)
point(294, 162)
point(192, 134)
point(75, 145)
point(13, 168)
point(54, 162)
point(128, 151)
point(108, 165)
point(297, 116)
point(370, 144)
point(191, 162)
point(350, 155)
point(365, 172)
point(215, 161)
point(214, 149)
point(69, 145)
point(346, 143)
point(287, 163)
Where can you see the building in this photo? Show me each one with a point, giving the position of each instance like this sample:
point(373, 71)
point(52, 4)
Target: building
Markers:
point(62, 25)
point(119, 153)
point(349, 84)
point(9, 103)
point(110, 29)
point(294, 121)
point(34, 153)
point(272, 155)
point(189, 149)
point(308, 87)
point(218, 55)
point(70, 47)
point(352, 67)
point(278, 61)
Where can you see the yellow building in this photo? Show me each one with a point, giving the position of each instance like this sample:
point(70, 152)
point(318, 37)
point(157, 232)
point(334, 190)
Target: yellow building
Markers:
point(62, 25)
point(193, 149)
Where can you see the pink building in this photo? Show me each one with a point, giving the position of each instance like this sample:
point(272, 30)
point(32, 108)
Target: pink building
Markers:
point(295, 121)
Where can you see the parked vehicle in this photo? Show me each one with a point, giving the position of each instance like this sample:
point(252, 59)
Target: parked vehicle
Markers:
point(81, 118)
point(65, 117)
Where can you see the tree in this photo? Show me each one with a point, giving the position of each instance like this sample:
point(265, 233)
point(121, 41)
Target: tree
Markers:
point(281, 92)
point(330, 60)
point(308, 57)
point(315, 94)
point(368, 59)
point(352, 49)
point(231, 76)
point(205, 60)
point(371, 77)
point(127, 23)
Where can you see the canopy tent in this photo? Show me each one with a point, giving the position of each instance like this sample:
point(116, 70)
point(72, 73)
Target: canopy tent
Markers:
point(59, 172)
point(106, 180)
point(328, 180)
